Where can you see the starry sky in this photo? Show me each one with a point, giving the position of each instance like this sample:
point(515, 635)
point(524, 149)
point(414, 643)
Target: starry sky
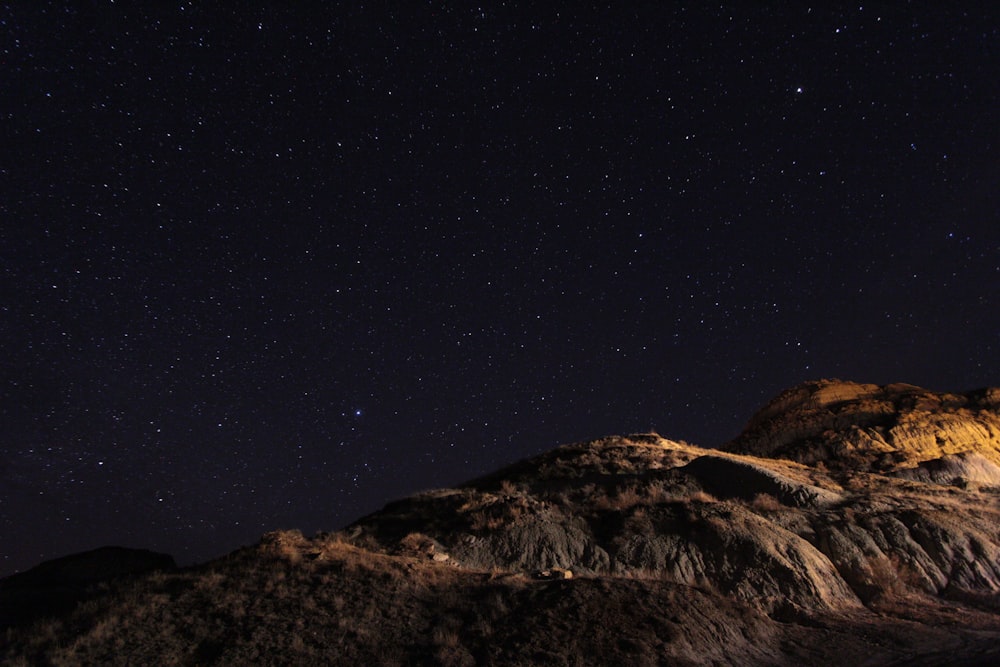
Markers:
point(272, 268)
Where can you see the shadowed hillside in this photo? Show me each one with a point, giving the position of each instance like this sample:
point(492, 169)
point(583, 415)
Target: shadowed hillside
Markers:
point(849, 523)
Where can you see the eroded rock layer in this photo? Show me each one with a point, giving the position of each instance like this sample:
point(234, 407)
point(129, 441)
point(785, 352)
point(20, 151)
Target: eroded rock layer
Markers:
point(836, 494)
point(854, 516)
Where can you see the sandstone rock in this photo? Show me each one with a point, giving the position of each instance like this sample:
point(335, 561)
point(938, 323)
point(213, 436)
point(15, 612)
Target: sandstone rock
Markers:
point(861, 426)
point(955, 469)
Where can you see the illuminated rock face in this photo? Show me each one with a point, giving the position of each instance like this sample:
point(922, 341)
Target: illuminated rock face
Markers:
point(887, 429)
point(837, 493)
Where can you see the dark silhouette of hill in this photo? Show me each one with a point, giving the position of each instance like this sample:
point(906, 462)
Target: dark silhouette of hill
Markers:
point(848, 524)
point(58, 585)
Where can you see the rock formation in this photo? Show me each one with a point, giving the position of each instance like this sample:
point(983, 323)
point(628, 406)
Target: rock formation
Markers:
point(853, 518)
point(891, 430)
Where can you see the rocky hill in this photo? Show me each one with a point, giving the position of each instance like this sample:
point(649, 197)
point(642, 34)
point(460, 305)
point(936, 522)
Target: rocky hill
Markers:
point(897, 430)
point(848, 523)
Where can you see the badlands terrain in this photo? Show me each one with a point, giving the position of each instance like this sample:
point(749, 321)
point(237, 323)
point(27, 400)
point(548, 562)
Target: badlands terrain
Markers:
point(849, 524)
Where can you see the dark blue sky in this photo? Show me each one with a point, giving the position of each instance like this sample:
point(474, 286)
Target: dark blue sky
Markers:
point(273, 268)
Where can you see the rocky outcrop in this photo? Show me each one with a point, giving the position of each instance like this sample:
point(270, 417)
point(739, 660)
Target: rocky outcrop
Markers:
point(891, 428)
point(955, 469)
point(735, 551)
point(543, 539)
point(837, 494)
point(855, 515)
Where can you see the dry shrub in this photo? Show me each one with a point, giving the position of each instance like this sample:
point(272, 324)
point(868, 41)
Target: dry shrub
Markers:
point(602, 501)
point(702, 497)
point(416, 542)
point(483, 627)
point(101, 631)
point(445, 636)
point(508, 488)
point(354, 559)
point(284, 545)
point(884, 575)
point(456, 656)
point(765, 502)
point(448, 648)
point(625, 498)
point(657, 492)
point(629, 496)
point(486, 521)
point(717, 523)
point(491, 514)
point(210, 581)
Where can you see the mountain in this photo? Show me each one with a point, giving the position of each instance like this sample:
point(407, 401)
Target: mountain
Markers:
point(848, 524)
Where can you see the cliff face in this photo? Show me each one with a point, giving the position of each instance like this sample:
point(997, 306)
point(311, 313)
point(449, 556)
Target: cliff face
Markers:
point(896, 429)
point(848, 515)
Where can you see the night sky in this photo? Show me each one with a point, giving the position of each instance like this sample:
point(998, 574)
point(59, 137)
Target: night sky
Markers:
point(272, 268)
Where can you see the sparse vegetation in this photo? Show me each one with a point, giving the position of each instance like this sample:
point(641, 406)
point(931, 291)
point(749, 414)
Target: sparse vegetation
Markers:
point(702, 497)
point(765, 502)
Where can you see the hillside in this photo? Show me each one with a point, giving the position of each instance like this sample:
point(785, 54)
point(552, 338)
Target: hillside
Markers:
point(848, 523)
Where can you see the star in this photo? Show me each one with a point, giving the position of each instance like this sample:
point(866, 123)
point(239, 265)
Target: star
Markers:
point(536, 226)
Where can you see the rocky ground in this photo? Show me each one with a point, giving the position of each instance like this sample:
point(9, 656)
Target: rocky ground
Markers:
point(848, 524)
